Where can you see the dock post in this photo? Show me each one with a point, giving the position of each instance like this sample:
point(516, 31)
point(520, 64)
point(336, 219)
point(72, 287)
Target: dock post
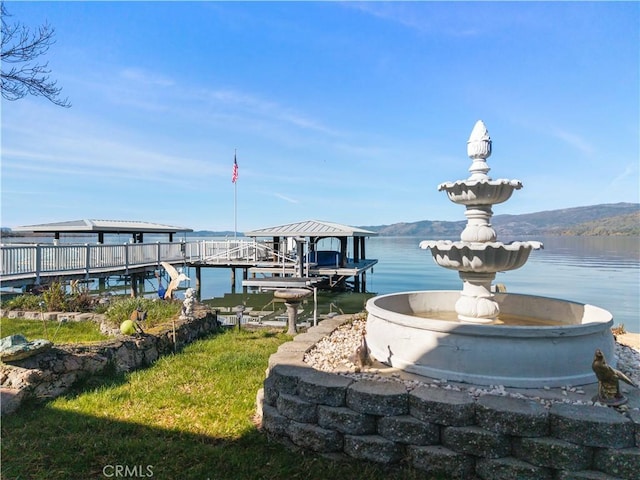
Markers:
point(245, 275)
point(233, 280)
point(134, 285)
point(198, 283)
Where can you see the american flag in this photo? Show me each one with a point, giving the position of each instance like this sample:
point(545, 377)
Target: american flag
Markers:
point(234, 176)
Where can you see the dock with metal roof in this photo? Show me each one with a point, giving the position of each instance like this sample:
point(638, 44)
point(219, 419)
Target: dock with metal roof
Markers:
point(276, 257)
point(299, 243)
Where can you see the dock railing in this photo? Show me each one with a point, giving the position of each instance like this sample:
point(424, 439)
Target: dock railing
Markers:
point(35, 261)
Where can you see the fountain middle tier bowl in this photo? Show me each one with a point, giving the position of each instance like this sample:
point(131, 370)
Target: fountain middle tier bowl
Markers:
point(535, 342)
point(480, 192)
point(489, 257)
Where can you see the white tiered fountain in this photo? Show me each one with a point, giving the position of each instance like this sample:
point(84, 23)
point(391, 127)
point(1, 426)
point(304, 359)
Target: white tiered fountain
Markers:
point(477, 336)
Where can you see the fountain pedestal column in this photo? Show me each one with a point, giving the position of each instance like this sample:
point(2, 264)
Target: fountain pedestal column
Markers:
point(476, 303)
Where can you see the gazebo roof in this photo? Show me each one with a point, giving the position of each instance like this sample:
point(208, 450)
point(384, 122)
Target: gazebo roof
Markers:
point(97, 226)
point(311, 228)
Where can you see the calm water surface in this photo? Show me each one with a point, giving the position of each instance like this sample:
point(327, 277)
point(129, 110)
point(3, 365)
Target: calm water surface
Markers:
point(602, 271)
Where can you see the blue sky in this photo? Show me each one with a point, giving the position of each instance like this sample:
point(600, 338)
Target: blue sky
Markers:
point(345, 112)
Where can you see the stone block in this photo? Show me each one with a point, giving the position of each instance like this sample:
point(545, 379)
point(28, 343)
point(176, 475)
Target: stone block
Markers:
point(299, 347)
point(439, 461)
point(345, 420)
point(583, 475)
point(273, 422)
point(408, 430)
point(270, 391)
point(509, 468)
point(324, 388)
point(378, 398)
point(315, 438)
point(309, 337)
point(333, 323)
point(444, 407)
point(623, 463)
point(476, 441)
point(373, 448)
point(553, 453)
point(286, 377)
point(10, 400)
point(512, 416)
point(591, 426)
point(297, 409)
point(634, 415)
point(322, 328)
point(287, 359)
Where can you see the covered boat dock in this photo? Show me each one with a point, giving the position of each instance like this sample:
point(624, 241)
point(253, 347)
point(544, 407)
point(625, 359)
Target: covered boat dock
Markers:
point(303, 245)
point(136, 229)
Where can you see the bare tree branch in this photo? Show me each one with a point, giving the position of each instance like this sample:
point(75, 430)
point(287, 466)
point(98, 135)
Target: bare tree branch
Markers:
point(20, 48)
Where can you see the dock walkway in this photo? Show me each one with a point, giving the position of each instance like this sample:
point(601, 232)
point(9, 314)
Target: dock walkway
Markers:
point(33, 264)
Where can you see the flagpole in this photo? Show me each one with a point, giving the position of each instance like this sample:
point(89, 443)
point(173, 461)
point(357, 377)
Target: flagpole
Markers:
point(235, 196)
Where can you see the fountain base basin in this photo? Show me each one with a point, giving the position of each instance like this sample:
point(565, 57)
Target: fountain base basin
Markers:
point(553, 347)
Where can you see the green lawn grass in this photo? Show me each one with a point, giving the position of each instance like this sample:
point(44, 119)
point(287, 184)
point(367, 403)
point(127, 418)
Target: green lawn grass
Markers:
point(52, 330)
point(189, 416)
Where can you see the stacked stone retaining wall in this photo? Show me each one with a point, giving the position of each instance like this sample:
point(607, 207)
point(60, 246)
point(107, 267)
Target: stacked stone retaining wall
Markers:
point(53, 372)
point(445, 433)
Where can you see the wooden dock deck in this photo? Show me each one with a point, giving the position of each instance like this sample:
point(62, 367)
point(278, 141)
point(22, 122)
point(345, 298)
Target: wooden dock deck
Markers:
point(32, 264)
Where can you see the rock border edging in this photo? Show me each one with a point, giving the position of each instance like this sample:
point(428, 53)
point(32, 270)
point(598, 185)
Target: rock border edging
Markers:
point(52, 373)
point(441, 432)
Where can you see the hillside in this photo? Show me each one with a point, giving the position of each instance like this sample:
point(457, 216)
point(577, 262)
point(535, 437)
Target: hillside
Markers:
point(604, 219)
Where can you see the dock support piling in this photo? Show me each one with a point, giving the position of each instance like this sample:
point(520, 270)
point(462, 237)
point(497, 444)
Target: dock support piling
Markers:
point(199, 283)
point(233, 280)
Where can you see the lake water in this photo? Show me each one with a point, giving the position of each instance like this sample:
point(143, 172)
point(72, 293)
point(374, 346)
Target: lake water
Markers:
point(602, 271)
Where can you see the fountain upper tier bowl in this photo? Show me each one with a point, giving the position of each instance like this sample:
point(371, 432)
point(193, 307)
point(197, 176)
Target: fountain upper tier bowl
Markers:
point(480, 192)
point(553, 346)
point(488, 257)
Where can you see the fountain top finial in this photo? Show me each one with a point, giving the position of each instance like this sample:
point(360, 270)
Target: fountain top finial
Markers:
point(479, 149)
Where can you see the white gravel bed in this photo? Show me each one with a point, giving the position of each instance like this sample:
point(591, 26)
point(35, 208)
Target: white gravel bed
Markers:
point(334, 353)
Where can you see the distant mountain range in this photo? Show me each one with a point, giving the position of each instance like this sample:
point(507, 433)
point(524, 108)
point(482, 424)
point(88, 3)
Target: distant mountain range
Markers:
point(604, 219)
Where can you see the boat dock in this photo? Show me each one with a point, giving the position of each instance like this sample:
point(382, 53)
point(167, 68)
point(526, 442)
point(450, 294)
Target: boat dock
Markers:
point(265, 263)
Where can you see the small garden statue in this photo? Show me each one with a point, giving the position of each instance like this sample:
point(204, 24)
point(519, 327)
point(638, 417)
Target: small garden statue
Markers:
point(608, 382)
point(188, 304)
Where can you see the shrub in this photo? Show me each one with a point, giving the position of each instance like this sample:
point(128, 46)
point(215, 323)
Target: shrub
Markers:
point(81, 302)
point(55, 297)
point(28, 301)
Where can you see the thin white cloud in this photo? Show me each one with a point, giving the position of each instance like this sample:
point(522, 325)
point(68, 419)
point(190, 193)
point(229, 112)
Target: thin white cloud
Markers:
point(423, 18)
point(145, 77)
point(285, 198)
point(576, 141)
point(255, 105)
point(628, 176)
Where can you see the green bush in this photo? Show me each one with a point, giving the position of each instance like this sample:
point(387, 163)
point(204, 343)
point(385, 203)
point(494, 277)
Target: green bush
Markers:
point(55, 297)
point(81, 302)
point(28, 302)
